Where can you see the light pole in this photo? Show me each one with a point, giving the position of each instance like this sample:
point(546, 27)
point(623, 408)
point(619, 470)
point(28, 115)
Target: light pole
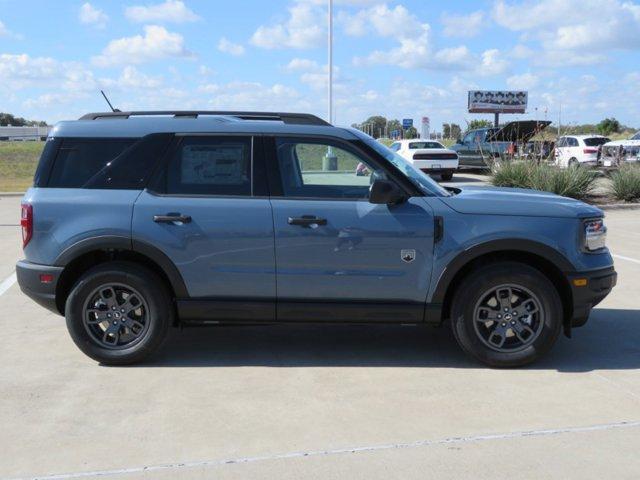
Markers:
point(330, 62)
point(330, 161)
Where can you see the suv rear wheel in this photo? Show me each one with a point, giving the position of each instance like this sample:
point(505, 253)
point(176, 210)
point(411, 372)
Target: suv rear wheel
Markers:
point(118, 313)
point(506, 314)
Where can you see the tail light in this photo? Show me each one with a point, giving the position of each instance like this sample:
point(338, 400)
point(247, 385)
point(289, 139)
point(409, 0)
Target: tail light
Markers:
point(26, 222)
point(589, 150)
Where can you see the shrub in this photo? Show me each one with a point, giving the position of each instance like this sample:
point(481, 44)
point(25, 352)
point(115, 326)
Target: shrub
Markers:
point(574, 182)
point(625, 183)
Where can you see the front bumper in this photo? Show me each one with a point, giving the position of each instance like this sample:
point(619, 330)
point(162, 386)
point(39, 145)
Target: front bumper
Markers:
point(31, 283)
point(599, 284)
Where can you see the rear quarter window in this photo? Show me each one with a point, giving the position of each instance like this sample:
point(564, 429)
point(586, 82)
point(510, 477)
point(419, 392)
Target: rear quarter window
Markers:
point(79, 159)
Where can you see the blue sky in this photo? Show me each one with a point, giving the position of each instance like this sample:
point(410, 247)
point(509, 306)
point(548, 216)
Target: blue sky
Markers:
point(397, 58)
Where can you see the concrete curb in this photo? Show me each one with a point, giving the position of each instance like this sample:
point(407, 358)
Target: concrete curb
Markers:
point(12, 194)
point(620, 206)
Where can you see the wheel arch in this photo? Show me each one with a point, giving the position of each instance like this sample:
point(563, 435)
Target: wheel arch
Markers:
point(548, 261)
point(90, 252)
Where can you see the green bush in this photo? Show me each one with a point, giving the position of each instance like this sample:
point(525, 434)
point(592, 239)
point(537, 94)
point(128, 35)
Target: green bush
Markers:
point(574, 182)
point(625, 183)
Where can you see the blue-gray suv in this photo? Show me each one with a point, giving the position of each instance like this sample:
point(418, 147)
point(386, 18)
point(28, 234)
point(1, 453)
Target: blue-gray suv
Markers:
point(140, 221)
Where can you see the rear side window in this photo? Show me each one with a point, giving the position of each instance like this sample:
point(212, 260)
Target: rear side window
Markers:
point(210, 166)
point(79, 159)
point(131, 169)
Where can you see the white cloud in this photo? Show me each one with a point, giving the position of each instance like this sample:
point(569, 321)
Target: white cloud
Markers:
point(157, 43)
point(89, 15)
point(524, 81)
point(229, 47)
point(382, 20)
point(4, 31)
point(170, 11)
point(133, 78)
point(574, 25)
point(492, 63)
point(313, 74)
point(414, 49)
point(300, 30)
point(253, 96)
point(301, 65)
point(22, 70)
point(463, 25)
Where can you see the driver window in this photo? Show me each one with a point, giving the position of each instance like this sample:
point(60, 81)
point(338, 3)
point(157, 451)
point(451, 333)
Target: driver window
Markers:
point(469, 137)
point(322, 170)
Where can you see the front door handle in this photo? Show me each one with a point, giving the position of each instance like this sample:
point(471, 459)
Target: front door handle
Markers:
point(172, 218)
point(307, 221)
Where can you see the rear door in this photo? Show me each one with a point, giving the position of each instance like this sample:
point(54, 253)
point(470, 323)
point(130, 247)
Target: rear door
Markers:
point(208, 211)
point(340, 257)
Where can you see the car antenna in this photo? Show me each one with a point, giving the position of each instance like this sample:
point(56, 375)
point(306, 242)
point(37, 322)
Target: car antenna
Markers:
point(110, 106)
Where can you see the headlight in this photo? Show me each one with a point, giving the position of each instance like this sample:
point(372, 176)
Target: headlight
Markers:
point(595, 234)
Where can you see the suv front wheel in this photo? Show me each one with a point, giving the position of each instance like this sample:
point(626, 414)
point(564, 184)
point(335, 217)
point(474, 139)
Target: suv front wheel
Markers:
point(118, 313)
point(506, 314)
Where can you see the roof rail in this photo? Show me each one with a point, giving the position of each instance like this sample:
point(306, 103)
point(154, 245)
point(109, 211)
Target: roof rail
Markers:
point(289, 118)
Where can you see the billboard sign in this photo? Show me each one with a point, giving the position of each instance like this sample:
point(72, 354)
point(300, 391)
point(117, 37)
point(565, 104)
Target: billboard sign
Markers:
point(407, 122)
point(497, 101)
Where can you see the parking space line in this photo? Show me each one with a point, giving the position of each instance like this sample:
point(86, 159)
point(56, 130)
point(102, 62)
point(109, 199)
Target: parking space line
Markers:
point(338, 451)
point(7, 283)
point(628, 259)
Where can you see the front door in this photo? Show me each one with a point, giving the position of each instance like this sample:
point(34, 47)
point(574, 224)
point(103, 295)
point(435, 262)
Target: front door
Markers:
point(339, 257)
point(204, 211)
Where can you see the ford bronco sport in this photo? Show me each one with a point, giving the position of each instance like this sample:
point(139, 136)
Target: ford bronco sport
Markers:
point(140, 221)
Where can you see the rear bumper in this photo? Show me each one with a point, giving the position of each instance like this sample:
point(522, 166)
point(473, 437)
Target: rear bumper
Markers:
point(29, 279)
point(599, 284)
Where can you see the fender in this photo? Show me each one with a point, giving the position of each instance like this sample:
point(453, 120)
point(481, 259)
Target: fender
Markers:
point(116, 242)
point(501, 245)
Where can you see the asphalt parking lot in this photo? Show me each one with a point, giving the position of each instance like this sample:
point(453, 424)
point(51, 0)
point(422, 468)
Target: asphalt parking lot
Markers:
point(320, 402)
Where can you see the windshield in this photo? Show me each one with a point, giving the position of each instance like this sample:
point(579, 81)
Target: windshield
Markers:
point(423, 181)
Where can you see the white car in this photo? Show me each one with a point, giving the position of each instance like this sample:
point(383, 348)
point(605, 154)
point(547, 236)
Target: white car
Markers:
point(429, 156)
point(578, 150)
point(613, 153)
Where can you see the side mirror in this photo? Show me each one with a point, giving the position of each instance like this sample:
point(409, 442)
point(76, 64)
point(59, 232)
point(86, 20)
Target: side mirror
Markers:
point(459, 141)
point(384, 192)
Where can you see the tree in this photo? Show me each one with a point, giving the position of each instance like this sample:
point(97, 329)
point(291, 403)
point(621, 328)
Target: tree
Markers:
point(446, 130)
point(7, 119)
point(608, 126)
point(456, 131)
point(379, 124)
point(394, 125)
point(411, 132)
point(477, 123)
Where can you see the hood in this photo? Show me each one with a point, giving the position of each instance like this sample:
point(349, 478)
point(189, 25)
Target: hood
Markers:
point(519, 132)
point(518, 202)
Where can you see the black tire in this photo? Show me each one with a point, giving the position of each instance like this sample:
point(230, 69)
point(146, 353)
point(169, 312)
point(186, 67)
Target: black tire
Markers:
point(446, 176)
point(573, 163)
point(156, 304)
point(471, 334)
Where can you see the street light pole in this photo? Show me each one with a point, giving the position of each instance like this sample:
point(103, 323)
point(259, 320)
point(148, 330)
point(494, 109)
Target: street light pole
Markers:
point(330, 62)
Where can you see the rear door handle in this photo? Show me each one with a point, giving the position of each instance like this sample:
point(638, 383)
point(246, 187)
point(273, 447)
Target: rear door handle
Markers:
point(172, 218)
point(307, 221)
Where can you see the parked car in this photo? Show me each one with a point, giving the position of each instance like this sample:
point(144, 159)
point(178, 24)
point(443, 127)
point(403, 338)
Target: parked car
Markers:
point(429, 156)
point(574, 150)
point(612, 154)
point(142, 221)
point(482, 144)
